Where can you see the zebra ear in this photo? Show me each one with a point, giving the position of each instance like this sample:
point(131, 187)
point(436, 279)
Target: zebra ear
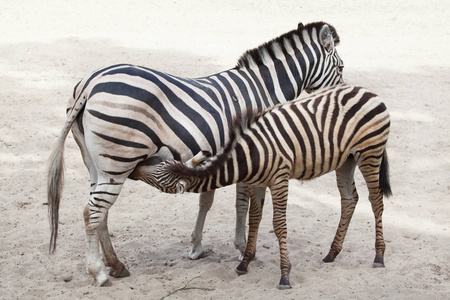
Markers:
point(182, 185)
point(300, 26)
point(197, 159)
point(326, 38)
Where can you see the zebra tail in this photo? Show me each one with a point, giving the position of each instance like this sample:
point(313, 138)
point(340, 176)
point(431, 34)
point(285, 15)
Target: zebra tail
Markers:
point(384, 176)
point(55, 183)
point(55, 175)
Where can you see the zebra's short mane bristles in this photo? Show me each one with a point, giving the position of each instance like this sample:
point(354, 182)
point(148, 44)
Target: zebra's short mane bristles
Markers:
point(238, 126)
point(258, 54)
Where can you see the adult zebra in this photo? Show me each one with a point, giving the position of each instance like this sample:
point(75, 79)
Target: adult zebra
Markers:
point(125, 116)
point(337, 129)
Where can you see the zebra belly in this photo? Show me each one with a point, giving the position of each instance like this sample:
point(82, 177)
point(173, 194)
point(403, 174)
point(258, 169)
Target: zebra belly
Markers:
point(317, 163)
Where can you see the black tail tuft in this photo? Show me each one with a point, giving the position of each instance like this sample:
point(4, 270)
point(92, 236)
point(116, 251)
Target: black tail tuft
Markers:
point(384, 176)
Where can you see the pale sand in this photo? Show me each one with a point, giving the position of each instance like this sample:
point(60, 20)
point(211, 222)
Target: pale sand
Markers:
point(398, 49)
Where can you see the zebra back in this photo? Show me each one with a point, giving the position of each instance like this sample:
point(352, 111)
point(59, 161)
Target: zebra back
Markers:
point(305, 138)
point(141, 110)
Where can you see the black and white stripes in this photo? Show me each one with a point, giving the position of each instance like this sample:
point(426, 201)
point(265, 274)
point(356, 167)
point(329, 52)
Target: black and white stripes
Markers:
point(127, 116)
point(337, 129)
point(146, 109)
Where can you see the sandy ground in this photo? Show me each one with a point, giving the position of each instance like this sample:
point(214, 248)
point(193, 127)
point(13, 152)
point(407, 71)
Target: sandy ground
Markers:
point(398, 49)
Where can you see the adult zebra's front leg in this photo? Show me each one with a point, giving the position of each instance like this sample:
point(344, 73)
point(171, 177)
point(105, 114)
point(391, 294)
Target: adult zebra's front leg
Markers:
point(103, 196)
point(205, 201)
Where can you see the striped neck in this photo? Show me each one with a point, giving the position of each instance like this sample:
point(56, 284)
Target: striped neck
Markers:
point(286, 65)
point(222, 170)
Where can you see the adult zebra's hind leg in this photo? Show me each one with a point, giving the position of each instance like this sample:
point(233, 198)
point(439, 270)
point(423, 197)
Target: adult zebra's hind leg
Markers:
point(116, 267)
point(349, 199)
point(103, 196)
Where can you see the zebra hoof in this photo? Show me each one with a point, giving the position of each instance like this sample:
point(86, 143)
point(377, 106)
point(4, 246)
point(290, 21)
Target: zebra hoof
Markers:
point(282, 287)
point(196, 252)
point(106, 283)
point(239, 272)
point(284, 283)
point(101, 279)
point(377, 265)
point(241, 269)
point(378, 262)
point(119, 271)
point(329, 258)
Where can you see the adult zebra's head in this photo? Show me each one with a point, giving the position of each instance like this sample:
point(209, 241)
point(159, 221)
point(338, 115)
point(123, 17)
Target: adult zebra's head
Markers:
point(329, 66)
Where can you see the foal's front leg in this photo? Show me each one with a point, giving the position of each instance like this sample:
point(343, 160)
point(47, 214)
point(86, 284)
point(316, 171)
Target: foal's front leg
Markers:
point(279, 198)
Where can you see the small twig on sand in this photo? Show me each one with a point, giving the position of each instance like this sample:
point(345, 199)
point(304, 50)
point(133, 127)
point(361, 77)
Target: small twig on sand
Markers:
point(186, 287)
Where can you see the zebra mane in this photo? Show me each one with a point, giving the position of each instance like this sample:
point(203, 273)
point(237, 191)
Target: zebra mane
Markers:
point(237, 128)
point(239, 124)
point(257, 55)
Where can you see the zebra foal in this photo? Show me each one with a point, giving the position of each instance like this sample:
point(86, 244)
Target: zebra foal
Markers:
point(336, 129)
point(127, 116)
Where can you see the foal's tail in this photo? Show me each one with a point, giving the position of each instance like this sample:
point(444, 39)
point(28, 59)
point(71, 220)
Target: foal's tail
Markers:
point(55, 175)
point(384, 176)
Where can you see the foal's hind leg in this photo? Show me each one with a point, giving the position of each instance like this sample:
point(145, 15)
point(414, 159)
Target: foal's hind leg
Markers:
point(349, 199)
point(370, 170)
